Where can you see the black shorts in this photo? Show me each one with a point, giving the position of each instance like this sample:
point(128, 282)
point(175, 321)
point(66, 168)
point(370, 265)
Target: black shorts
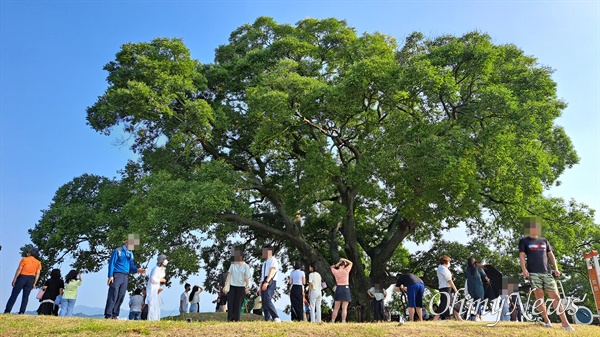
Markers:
point(222, 299)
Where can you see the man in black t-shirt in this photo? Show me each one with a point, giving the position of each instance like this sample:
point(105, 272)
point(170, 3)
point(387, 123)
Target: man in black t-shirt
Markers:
point(538, 252)
point(414, 288)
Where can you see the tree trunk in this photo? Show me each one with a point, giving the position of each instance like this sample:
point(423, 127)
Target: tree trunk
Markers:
point(361, 307)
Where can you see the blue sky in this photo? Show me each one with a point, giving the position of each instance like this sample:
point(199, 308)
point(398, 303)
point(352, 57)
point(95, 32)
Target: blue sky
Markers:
point(52, 54)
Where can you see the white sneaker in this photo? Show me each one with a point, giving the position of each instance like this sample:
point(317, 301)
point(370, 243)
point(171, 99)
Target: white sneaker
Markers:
point(277, 320)
point(568, 328)
point(548, 325)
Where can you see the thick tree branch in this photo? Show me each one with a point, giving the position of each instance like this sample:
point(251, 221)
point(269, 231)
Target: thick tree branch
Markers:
point(253, 224)
point(398, 230)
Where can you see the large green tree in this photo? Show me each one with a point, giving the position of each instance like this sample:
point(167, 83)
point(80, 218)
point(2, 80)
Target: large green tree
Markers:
point(330, 143)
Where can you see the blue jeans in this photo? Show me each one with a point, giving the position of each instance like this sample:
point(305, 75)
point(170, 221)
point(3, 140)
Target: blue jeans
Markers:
point(66, 307)
point(24, 283)
point(135, 315)
point(116, 294)
point(267, 301)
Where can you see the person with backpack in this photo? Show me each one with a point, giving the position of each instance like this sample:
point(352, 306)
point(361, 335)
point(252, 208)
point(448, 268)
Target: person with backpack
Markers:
point(120, 265)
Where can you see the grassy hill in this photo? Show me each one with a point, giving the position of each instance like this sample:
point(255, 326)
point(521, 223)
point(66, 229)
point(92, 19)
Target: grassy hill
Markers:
point(212, 325)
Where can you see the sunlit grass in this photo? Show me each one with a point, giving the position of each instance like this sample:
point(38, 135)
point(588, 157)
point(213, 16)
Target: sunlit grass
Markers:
point(203, 325)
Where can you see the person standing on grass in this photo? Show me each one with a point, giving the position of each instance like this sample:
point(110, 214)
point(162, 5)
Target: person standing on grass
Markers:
point(447, 290)
point(315, 293)
point(136, 305)
point(26, 277)
point(119, 266)
point(341, 272)
point(414, 288)
point(238, 278)
point(183, 299)
point(144, 315)
point(154, 288)
point(297, 281)
point(222, 297)
point(475, 277)
point(194, 298)
point(269, 283)
point(378, 294)
point(72, 283)
point(538, 252)
point(52, 289)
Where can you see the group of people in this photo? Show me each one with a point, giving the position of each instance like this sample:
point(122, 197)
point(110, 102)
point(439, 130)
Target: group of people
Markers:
point(190, 299)
point(121, 265)
point(534, 254)
point(57, 296)
point(237, 286)
point(315, 284)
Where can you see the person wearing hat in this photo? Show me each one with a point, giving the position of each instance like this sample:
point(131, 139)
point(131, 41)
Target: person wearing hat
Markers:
point(119, 266)
point(25, 279)
point(154, 288)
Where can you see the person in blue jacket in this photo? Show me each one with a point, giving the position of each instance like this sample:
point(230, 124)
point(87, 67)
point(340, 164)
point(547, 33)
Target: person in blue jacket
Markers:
point(120, 266)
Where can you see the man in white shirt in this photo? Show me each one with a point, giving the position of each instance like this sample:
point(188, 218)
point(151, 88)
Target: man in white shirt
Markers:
point(184, 299)
point(268, 283)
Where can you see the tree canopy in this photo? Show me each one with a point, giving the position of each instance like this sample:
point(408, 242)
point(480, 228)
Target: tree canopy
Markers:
point(324, 142)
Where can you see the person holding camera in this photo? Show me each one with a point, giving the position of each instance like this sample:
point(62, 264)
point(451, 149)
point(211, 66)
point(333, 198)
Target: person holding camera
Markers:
point(341, 272)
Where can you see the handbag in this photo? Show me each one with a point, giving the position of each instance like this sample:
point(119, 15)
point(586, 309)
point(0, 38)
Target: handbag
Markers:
point(40, 294)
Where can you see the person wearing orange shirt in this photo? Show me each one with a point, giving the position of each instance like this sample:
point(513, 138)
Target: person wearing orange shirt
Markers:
point(25, 279)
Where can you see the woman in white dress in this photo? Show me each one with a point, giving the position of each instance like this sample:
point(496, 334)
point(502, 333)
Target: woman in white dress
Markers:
point(153, 289)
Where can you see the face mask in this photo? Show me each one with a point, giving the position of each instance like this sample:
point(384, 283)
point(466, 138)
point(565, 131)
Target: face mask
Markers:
point(165, 263)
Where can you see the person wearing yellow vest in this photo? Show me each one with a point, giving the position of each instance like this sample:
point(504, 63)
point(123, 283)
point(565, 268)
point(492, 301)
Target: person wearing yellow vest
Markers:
point(25, 279)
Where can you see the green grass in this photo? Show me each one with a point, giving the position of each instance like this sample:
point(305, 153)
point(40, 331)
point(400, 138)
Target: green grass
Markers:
point(209, 324)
